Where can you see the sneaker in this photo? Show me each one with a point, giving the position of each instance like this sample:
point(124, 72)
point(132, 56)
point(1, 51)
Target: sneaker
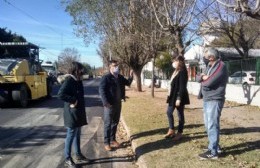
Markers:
point(220, 150)
point(69, 163)
point(81, 158)
point(207, 155)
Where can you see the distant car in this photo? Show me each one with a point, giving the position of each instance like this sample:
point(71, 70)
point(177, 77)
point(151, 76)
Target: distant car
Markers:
point(243, 77)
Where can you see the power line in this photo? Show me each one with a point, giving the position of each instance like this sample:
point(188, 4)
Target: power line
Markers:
point(60, 34)
point(28, 15)
point(50, 53)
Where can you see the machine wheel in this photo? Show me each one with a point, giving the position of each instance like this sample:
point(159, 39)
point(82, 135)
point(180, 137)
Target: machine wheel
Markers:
point(3, 98)
point(21, 95)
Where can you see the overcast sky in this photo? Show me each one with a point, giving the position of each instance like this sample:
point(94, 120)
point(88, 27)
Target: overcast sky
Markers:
point(45, 23)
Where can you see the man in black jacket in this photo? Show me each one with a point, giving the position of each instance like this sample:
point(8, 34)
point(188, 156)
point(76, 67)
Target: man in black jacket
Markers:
point(112, 91)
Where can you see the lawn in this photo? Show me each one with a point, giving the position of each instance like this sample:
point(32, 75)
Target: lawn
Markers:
point(147, 122)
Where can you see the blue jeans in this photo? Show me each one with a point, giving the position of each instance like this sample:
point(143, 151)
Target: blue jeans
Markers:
point(212, 112)
point(180, 112)
point(73, 136)
point(111, 120)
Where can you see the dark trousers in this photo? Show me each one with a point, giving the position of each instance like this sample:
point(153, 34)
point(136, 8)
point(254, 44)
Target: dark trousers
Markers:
point(111, 120)
point(180, 112)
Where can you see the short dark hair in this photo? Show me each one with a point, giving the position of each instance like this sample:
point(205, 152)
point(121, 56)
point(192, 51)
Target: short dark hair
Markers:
point(76, 68)
point(113, 62)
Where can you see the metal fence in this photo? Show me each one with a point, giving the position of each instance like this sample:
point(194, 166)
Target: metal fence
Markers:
point(245, 71)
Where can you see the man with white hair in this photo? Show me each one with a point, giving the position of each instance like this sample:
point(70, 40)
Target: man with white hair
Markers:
point(213, 90)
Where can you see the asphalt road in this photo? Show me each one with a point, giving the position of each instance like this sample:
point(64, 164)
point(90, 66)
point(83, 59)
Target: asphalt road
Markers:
point(33, 137)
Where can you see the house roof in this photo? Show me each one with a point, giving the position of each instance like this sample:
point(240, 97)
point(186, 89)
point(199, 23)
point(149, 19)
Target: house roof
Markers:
point(196, 53)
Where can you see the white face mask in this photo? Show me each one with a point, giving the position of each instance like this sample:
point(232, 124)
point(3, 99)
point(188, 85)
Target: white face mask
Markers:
point(174, 65)
point(116, 70)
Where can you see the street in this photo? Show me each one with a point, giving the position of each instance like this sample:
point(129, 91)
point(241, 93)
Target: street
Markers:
point(33, 137)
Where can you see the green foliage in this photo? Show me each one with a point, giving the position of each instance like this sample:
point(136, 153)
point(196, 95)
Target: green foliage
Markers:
point(8, 36)
point(92, 18)
point(147, 74)
point(164, 62)
point(87, 68)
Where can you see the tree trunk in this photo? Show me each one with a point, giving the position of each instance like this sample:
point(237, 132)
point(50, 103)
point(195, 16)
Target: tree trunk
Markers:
point(152, 84)
point(137, 75)
point(179, 42)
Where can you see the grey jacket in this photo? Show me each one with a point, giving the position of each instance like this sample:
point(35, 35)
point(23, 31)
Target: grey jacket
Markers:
point(214, 88)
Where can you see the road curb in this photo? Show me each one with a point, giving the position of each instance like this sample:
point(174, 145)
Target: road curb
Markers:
point(140, 159)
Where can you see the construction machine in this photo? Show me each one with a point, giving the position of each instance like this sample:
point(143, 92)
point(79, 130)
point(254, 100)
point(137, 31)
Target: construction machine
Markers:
point(51, 69)
point(21, 76)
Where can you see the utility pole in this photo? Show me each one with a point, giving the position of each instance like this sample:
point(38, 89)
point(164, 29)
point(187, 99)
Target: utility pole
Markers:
point(153, 59)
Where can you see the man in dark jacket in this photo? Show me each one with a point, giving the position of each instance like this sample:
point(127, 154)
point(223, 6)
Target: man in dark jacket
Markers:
point(112, 91)
point(213, 87)
point(72, 93)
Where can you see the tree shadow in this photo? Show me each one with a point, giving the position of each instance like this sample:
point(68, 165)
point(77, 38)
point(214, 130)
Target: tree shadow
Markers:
point(14, 138)
point(247, 92)
point(241, 148)
point(164, 144)
point(106, 156)
point(168, 143)
point(239, 130)
point(91, 102)
point(160, 131)
point(124, 158)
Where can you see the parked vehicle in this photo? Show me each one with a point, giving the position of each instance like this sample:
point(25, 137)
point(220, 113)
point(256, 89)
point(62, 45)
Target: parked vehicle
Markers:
point(52, 70)
point(243, 77)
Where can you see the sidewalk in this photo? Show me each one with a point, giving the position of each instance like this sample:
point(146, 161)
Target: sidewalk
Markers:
point(146, 122)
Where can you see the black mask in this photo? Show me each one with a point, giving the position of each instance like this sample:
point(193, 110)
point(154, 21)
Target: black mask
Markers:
point(206, 61)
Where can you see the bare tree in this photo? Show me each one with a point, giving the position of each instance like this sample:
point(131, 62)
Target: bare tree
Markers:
point(240, 32)
point(250, 8)
point(124, 26)
point(174, 17)
point(66, 57)
point(139, 38)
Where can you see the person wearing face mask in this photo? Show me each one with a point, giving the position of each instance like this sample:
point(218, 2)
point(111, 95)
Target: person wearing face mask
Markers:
point(213, 86)
point(72, 93)
point(112, 92)
point(178, 96)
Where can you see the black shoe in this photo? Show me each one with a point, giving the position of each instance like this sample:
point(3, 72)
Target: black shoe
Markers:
point(69, 163)
point(81, 158)
point(207, 155)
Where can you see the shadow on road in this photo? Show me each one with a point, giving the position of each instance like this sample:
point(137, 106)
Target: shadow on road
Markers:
point(14, 138)
point(125, 158)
